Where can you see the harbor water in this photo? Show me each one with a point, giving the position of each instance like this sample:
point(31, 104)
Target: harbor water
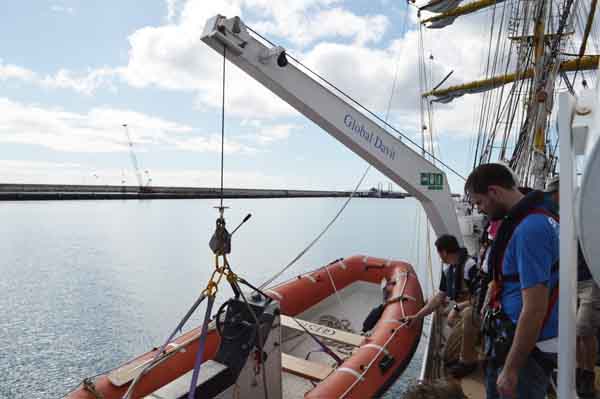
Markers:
point(87, 285)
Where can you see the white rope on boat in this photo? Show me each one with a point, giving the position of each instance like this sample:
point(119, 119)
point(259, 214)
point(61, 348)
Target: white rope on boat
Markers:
point(337, 294)
point(372, 345)
point(348, 370)
point(402, 297)
point(379, 352)
point(394, 321)
point(383, 347)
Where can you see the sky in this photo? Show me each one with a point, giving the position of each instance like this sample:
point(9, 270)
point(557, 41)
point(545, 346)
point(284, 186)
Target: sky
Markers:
point(73, 72)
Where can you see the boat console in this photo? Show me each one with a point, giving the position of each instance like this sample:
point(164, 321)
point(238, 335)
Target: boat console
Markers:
point(248, 358)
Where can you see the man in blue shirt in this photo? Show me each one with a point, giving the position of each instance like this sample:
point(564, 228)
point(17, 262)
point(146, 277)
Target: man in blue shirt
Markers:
point(524, 258)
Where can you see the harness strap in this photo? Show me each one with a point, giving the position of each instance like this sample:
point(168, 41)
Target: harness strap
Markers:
point(500, 278)
point(553, 300)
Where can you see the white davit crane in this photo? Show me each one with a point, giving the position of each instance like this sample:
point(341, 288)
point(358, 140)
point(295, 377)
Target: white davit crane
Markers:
point(407, 168)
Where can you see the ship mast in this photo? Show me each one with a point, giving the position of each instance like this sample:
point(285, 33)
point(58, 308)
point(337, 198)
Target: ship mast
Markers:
point(533, 164)
point(539, 101)
point(543, 34)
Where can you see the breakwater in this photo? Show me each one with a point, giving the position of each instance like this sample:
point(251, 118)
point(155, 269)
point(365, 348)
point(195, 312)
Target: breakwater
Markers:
point(48, 192)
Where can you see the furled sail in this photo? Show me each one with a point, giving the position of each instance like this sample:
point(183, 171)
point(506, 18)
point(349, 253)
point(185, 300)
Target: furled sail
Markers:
point(440, 5)
point(448, 94)
point(448, 17)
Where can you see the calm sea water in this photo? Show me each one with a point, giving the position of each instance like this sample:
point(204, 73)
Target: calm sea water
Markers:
point(86, 285)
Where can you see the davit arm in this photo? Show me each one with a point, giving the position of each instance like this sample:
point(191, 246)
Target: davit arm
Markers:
point(407, 168)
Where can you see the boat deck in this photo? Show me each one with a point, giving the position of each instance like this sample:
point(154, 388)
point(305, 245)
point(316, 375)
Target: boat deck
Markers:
point(474, 385)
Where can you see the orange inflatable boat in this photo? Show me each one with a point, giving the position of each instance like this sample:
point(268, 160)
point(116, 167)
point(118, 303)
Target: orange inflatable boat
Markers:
point(314, 345)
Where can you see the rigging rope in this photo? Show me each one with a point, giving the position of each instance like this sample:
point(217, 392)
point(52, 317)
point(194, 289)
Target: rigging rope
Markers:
point(313, 242)
point(337, 294)
point(586, 34)
point(425, 104)
point(485, 96)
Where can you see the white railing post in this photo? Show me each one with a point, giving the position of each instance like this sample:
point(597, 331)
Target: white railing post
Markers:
point(568, 252)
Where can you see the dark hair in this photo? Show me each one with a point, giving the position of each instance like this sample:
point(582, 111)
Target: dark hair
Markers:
point(435, 389)
point(489, 174)
point(448, 243)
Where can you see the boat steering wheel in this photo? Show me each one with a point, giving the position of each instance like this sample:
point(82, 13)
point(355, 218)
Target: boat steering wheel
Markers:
point(235, 325)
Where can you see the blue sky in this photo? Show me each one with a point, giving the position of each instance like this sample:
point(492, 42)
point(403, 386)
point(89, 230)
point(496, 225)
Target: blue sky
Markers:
point(71, 72)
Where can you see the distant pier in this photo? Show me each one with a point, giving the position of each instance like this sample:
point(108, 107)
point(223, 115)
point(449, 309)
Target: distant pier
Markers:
point(50, 192)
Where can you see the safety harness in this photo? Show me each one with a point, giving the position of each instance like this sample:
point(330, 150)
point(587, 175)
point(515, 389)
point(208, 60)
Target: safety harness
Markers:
point(497, 325)
point(532, 204)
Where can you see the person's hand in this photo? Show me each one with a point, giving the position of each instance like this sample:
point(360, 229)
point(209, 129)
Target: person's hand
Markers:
point(411, 319)
point(452, 317)
point(507, 382)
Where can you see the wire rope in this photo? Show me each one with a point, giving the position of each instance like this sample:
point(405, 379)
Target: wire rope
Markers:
point(425, 106)
point(315, 240)
point(223, 123)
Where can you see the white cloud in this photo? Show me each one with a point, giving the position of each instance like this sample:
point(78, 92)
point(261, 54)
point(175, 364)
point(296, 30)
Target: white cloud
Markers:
point(172, 57)
point(85, 84)
point(212, 143)
point(9, 71)
point(171, 9)
point(336, 23)
point(62, 9)
point(266, 134)
point(101, 130)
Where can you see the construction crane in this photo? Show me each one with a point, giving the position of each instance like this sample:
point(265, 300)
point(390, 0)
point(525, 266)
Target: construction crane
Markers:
point(142, 187)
